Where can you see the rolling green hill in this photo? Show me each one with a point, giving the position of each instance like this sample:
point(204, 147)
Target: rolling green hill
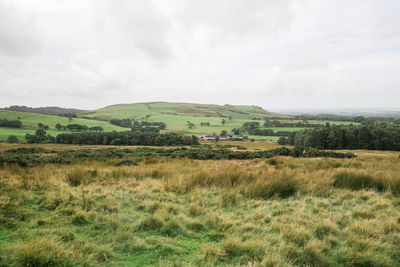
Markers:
point(30, 121)
point(176, 115)
point(143, 111)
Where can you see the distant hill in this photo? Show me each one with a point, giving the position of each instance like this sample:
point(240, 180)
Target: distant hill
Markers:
point(143, 111)
point(177, 115)
point(45, 110)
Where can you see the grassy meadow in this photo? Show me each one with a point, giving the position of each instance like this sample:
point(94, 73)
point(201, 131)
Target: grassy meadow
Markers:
point(30, 123)
point(280, 211)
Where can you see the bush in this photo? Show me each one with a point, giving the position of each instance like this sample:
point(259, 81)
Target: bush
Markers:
point(12, 139)
point(358, 181)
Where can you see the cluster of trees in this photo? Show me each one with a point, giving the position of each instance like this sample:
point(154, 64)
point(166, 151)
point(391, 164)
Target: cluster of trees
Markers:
point(40, 137)
point(252, 128)
point(359, 119)
point(304, 124)
point(381, 136)
point(78, 127)
point(70, 116)
point(204, 124)
point(42, 126)
point(131, 123)
point(10, 123)
point(126, 138)
point(126, 123)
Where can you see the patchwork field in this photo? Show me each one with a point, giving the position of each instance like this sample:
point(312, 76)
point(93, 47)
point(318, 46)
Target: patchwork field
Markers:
point(162, 211)
point(30, 123)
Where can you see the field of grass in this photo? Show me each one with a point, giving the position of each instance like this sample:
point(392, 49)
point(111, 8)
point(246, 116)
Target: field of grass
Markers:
point(176, 115)
point(141, 110)
point(179, 212)
point(30, 121)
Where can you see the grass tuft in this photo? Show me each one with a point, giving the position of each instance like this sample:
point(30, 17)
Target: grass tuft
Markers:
point(358, 181)
point(41, 252)
point(150, 223)
point(275, 186)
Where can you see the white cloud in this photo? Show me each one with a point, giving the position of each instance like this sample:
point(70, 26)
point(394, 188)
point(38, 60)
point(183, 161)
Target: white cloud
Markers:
point(277, 53)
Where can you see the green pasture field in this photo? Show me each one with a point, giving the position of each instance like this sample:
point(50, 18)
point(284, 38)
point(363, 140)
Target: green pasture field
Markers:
point(30, 121)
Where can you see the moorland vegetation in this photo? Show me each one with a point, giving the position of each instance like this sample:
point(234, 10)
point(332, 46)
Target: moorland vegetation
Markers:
point(145, 207)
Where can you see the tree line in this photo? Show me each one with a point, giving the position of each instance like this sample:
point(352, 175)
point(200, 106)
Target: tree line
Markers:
point(379, 136)
point(78, 127)
point(358, 119)
point(253, 128)
point(113, 138)
point(126, 138)
point(304, 124)
point(10, 123)
point(131, 123)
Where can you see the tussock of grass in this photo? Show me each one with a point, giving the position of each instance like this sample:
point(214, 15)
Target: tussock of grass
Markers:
point(324, 228)
point(249, 249)
point(275, 186)
point(213, 253)
point(40, 253)
point(150, 223)
point(358, 181)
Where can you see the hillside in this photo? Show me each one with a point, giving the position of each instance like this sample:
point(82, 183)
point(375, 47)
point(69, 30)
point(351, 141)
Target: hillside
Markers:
point(31, 120)
point(45, 110)
point(177, 115)
point(143, 111)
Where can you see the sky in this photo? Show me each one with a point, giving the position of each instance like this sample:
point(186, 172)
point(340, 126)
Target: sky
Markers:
point(272, 53)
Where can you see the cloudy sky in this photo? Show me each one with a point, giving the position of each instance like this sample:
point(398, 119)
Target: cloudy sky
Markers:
point(271, 53)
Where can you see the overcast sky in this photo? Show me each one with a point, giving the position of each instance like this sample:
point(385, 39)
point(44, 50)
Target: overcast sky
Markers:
point(271, 53)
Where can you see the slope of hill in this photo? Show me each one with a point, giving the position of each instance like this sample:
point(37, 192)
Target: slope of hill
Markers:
point(177, 115)
point(45, 110)
point(31, 120)
point(143, 111)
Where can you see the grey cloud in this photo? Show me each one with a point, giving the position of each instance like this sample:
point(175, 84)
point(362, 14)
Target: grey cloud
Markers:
point(18, 35)
point(276, 53)
point(133, 24)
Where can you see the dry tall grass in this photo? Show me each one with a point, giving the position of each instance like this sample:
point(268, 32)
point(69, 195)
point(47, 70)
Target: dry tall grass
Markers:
point(171, 212)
